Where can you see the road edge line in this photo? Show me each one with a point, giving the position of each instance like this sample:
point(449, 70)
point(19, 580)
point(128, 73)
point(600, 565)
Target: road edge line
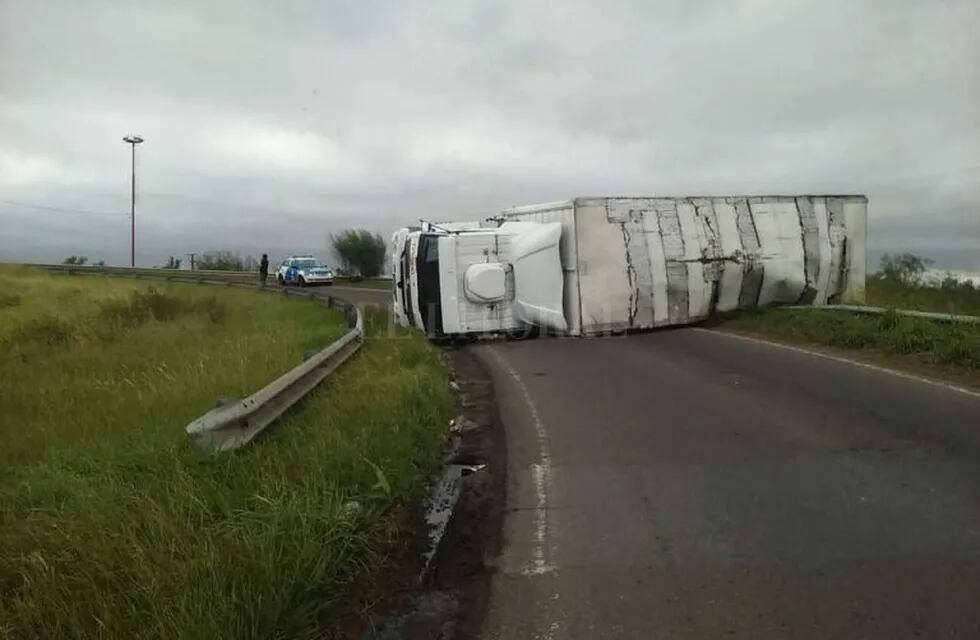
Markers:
point(540, 472)
point(857, 363)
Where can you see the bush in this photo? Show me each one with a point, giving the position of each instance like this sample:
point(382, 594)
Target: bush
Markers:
point(120, 313)
point(46, 330)
point(160, 306)
point(361, 252)
point(909, 337)
point(215, 310)
point(225, 261)
point(889, 320)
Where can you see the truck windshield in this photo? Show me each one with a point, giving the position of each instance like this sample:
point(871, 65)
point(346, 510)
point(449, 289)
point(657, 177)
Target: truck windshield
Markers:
point(405, 284)
point(305, 263)
point(430, 307)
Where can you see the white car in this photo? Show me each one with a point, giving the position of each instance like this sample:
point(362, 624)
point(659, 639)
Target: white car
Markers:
point(303, 271)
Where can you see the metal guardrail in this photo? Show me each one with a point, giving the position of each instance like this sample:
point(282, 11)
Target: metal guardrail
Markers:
point(928, 315)
point(139, 272)
point(236, 423)
point(160, 272)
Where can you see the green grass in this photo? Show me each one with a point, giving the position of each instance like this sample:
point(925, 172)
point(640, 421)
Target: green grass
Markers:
point(940, 342)
point(112, 526)
point(87, 358)
point(952, 297)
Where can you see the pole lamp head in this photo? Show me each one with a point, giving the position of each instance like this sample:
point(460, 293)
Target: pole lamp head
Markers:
point(133, 139)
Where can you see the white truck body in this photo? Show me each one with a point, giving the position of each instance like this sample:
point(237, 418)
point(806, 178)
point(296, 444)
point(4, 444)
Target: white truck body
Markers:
point(594, 265)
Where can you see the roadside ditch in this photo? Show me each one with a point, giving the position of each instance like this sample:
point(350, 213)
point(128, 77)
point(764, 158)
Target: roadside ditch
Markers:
point(440, 590)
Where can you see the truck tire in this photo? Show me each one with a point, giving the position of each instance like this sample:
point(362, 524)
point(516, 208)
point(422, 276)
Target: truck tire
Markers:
point(524, 333)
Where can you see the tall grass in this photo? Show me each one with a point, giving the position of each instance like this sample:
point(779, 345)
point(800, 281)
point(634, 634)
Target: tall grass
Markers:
point(111, 526)
point(88, 358)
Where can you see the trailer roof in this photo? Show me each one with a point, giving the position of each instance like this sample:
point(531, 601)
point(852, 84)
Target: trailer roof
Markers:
point(750, 196)
point(568, 204)
point(544, 206)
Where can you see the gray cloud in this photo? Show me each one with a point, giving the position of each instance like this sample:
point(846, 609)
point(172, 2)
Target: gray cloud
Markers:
point(270, 125)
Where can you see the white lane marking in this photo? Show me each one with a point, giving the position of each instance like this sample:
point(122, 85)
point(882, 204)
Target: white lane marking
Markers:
point(856, 363)
point(541, 473)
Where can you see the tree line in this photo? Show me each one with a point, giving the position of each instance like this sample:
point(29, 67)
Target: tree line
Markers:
point(361, 253)
point(908, 269)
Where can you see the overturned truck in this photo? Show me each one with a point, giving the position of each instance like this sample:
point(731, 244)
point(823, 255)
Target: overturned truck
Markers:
point(595, 265)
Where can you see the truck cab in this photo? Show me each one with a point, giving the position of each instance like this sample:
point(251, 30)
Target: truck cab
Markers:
point(397, 258)
point(487, 278)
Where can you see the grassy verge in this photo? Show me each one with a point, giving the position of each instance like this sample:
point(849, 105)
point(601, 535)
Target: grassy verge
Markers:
point(936, 342)
point(111, 526)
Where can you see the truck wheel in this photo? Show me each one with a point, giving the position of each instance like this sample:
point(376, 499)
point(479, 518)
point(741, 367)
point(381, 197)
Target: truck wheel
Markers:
point(524, 333)
point(302, 281)
point(279, 280)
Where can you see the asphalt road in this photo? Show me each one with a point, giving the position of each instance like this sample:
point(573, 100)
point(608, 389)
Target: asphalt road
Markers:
point(379, 298)
point(688, 484)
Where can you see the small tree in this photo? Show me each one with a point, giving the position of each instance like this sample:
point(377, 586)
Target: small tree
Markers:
point(79, 260)
point(172, 263)
point(360, 251)
point(906, 268)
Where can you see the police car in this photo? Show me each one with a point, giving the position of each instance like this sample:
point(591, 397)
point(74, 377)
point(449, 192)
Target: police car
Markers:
point(303, 271)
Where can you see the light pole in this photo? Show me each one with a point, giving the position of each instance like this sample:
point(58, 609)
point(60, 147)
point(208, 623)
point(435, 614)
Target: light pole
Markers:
point(133, 141)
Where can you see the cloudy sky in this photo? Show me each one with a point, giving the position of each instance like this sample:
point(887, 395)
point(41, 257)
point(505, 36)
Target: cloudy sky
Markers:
point(270, 124)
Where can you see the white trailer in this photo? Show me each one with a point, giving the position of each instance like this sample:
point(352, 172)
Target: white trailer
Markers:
point(593, 265)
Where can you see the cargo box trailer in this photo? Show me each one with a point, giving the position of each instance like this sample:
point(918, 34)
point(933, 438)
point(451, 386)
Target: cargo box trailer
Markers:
point(594, 265)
